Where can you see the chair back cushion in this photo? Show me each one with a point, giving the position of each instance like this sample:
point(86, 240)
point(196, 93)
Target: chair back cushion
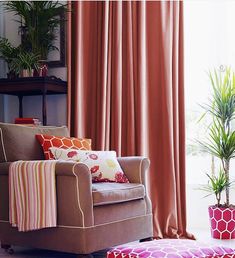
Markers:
point(18, 142)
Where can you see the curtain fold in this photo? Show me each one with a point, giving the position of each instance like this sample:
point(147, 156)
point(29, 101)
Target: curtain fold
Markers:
point(126, 93)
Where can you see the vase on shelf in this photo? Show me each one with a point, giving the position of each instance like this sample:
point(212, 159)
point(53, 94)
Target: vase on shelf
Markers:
point(42, 69)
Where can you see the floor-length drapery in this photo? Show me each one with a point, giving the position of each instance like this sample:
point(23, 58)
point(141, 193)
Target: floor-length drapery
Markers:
point(126, 92)
point(106, 76)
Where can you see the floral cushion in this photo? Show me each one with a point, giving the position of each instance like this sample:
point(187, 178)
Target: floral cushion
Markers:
point(171, 248)
point(48, 141)
point(103, 165)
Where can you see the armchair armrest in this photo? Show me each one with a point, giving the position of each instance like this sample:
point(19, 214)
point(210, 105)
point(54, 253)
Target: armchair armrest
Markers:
point(63, 168)
point(135, 168)
point(74, 193)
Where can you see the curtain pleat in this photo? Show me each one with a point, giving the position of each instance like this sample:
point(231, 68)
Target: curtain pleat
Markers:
point(126, 93)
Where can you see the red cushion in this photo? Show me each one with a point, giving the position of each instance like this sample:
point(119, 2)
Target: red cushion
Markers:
point(171, 248)
point(48, 141)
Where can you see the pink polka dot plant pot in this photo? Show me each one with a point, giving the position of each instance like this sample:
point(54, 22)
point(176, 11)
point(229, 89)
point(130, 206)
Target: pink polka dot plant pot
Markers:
point(222, 222)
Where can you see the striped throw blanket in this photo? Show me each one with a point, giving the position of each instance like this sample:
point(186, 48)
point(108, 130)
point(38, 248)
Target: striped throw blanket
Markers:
point(32, 195)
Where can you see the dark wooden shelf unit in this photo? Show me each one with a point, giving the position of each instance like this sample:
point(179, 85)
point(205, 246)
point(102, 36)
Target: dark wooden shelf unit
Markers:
point(32, 86)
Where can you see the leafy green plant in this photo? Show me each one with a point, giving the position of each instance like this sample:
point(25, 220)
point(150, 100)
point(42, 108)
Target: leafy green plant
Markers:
point(7, 51)
point(221, 138)
point(216, 185)
point(221, 142)
point(222, 105)
point(39, 21)
point(25, 61)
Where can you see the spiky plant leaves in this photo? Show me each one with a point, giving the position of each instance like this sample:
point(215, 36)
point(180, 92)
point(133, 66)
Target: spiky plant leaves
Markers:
point(221, 142)
point(25, 60)
point(221, 138)
point(216, 185)
point(222, 104)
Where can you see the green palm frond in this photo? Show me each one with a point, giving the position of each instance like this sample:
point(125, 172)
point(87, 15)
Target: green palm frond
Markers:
point(39, 20)
point(7, 50)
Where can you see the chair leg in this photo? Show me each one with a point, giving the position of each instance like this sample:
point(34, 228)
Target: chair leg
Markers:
point(146, 239)
point(7, 248)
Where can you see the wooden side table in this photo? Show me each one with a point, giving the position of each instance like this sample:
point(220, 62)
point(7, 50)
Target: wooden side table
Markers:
point(31, 86)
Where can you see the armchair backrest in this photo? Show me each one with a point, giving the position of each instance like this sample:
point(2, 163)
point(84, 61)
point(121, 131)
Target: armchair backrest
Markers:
point(18, 142)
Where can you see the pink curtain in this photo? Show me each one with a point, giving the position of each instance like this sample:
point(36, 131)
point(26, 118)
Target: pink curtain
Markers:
point(126, 93)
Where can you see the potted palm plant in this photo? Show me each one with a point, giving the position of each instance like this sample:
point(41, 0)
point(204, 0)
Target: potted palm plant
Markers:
point(38, 21)
point(221, 144)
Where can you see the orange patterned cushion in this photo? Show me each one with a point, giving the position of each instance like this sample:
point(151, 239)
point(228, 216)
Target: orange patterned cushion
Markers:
point(48, 141)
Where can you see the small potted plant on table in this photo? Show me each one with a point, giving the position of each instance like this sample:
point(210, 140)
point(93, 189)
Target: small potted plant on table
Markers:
point(25, 64)
point(221, 144)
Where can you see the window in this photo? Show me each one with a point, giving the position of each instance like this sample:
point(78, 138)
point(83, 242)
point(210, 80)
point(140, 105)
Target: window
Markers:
point(209, 43)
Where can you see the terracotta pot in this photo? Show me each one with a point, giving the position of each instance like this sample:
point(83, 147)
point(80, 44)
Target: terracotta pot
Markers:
point(26, 73)
point(222, 222)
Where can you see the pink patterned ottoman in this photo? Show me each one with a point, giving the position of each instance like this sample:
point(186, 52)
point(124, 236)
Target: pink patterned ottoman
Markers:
point(171, 248)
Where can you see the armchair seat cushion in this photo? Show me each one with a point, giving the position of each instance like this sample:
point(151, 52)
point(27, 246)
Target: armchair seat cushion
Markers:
point(109, 193)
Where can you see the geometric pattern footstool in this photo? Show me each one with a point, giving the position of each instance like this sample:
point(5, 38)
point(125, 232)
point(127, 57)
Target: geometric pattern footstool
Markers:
point(171, 248)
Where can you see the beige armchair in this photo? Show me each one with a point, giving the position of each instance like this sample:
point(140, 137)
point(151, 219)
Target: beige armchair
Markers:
point(90, 216)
